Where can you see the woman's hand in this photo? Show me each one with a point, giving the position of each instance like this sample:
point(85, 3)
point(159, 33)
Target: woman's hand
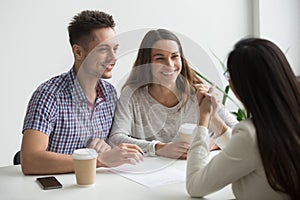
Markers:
point(201, 89)
point(177, 150)
point(99, 145)
point(121, 154)
point(208, 106)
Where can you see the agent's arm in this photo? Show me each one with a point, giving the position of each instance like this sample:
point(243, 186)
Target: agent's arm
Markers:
point(236, 160)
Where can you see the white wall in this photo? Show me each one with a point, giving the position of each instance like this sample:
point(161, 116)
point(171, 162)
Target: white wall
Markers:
point(35, 46)
point(280, 22)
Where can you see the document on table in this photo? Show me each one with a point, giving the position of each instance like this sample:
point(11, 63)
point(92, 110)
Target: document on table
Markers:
point(153, 172)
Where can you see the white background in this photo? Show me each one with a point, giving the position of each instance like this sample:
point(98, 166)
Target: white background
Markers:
point(35, 47)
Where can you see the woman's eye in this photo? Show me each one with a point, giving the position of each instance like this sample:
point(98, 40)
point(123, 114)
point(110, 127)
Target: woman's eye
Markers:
point(159, 58)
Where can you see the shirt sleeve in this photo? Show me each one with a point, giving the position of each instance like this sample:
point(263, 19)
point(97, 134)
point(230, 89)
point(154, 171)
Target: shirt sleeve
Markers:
point(229, 119)
point(122, 126)
point(41, 112)
point(223, 139)
point(236, 160)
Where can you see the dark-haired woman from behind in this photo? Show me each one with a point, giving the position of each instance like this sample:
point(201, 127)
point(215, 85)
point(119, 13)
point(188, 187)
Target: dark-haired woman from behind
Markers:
point(261, 159)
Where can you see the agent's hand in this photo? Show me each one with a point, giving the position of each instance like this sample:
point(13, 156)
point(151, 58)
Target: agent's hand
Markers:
point(177, 150)
point(99, 145)
point(121, 154)
point(212, 145)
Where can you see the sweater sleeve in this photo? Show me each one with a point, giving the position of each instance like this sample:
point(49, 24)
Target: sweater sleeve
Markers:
point(223, 139)
point(236, 160)
point(121, 131)
point(229, 119)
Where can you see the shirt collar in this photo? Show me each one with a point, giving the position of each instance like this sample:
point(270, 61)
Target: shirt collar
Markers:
point(77, 92)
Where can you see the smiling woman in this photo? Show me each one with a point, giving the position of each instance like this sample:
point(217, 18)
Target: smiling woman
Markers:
point(158, 97)
point(166, 66)
point(166, 63)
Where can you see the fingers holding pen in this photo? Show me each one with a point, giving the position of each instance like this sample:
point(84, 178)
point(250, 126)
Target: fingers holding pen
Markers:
point(121, 154)
point(132, 151)
point(99, 145)
point(131, 148)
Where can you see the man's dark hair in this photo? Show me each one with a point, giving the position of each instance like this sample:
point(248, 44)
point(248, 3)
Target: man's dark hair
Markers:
point(82, 26)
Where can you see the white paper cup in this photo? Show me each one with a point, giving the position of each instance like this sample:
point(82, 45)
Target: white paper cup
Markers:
point(85, 161)
point(185, 132)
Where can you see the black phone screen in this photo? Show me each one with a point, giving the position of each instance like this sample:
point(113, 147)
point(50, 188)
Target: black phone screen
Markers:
point(48, 183)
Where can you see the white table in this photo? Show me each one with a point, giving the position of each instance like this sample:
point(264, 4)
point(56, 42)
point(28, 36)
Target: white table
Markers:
point(109, 186)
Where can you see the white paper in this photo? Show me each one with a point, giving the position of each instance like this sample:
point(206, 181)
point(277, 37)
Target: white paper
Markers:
point(153, 172)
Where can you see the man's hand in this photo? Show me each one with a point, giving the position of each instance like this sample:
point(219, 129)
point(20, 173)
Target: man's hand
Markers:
point(121, 154)
point(176, 150)
point(99, 145)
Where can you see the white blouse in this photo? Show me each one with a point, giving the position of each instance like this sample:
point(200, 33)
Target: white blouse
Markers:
point(238, 163)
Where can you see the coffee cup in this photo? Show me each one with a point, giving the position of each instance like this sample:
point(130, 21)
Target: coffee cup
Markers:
point(186, 131)
point(85, 161)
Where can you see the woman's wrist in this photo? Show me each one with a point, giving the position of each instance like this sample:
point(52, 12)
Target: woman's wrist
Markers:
point(159, 146)
point(100, 164)
point(217, 125)
point(204, 120)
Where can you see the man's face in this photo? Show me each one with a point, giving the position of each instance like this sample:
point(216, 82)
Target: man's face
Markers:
point(100, 54)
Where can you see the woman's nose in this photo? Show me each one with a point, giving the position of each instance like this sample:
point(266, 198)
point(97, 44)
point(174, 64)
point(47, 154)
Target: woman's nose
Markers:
point(170, 62)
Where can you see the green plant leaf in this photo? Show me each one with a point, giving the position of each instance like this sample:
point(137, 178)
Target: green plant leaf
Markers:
point(225, 94)
point(240, 114)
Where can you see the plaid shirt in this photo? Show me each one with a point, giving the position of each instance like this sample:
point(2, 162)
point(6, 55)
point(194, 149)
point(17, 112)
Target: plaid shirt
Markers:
point(60, 109)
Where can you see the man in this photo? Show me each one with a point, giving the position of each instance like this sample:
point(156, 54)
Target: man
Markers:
point(75, 109)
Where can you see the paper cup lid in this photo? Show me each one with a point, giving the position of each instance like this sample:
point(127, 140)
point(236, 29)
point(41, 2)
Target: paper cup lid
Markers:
point(187, 128)
point(84, 154)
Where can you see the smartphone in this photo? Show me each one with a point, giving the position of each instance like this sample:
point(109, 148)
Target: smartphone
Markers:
point(48, 183)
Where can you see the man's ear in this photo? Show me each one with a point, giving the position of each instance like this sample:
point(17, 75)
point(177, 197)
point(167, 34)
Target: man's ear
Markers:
point(78, 52)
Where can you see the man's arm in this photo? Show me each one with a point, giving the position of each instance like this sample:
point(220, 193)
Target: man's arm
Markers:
point(36, 160)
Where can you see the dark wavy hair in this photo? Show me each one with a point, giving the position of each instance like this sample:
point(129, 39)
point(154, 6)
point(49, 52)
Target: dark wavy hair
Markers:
point(141, 74)
point(265, 83)
point(82, 25)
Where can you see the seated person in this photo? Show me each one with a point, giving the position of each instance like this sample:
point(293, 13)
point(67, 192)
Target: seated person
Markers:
point(158, 97)
point(75, 109)
point(261, 160)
